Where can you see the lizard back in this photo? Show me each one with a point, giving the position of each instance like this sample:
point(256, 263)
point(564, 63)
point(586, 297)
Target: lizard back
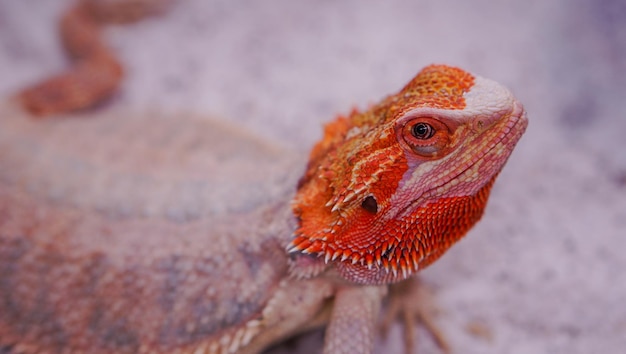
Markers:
point(118, 230)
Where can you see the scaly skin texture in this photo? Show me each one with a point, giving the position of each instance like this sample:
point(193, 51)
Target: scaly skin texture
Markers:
point(388, 191)
point(137, 233)
point(127, 233)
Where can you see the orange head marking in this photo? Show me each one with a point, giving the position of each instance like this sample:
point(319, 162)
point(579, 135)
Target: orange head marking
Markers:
point(389, 190)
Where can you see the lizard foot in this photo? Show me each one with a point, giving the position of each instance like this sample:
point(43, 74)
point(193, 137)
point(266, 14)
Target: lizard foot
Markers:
point(413, 301)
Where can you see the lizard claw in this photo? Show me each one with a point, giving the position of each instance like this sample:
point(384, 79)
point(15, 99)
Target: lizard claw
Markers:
point(412, 301)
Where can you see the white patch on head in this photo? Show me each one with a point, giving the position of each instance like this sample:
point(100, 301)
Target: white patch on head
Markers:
point(485, 103)
point(487, 98)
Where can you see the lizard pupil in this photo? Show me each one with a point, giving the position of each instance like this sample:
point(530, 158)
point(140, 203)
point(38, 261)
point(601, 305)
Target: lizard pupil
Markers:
point(370, 204)
point(422, 131)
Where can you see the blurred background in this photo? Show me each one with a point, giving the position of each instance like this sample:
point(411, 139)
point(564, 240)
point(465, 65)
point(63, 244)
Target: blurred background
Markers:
point(545, 271)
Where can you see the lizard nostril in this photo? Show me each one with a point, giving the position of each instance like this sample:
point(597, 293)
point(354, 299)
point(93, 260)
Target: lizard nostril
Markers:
point(370, 204)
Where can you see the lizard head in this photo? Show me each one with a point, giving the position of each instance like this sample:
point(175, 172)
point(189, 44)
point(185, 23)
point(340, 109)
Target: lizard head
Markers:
point(388, 191)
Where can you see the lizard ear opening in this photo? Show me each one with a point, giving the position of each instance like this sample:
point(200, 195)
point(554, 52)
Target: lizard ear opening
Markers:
point(370, 204)
point(426, 136)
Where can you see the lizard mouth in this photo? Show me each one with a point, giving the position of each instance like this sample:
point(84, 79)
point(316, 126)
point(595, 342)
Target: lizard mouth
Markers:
point(510, 131)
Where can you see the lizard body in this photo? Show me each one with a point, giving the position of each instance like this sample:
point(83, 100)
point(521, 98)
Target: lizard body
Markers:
point(118, 232)
point(139, 233)
point(130, 233)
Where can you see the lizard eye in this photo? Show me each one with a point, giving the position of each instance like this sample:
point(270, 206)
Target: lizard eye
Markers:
point(426, 136)
point(422, 131)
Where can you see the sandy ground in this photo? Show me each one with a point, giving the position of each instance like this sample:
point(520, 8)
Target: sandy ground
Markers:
point(545, 272)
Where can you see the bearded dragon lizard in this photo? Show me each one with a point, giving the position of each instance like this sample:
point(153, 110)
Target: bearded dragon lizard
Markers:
point(135, 233)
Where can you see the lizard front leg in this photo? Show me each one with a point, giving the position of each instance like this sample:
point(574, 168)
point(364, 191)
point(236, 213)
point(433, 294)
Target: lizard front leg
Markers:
point(410, 301)
point(352, 327)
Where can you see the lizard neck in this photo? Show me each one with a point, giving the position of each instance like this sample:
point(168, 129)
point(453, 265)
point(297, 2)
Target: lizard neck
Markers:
point(415, 250)
point(450, 218)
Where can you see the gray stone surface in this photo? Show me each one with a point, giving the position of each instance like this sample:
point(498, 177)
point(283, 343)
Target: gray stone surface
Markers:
point(545, 272)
